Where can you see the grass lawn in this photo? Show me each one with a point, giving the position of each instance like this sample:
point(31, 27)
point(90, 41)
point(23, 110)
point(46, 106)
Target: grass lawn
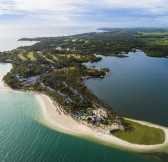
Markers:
point(79, 57)
point(76, 56)
point(156, 38)
point(31, 56)
point(158, 41)
point(55, 58)
point(72, 68)
point(140, 134)
point(22, 57)
point(46, 58)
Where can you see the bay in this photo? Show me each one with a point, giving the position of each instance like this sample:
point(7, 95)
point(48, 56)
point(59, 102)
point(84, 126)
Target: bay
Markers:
point(136, 87)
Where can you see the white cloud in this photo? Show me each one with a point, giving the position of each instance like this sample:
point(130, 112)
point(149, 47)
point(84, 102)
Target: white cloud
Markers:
point(73, 5)
point(60, 10)
point(51, 5)
point(68, 10)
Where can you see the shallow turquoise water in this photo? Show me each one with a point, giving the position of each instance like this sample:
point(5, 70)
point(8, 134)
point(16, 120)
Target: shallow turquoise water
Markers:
point(136, 87)
point(24, 139)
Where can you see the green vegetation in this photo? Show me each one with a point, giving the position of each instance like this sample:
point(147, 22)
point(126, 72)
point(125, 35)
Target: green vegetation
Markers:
point(31, 56)
point(21, 57)
point(117, 42)
point(156, 33)
point(63, 57)
point(77, 56)
point(140, 134)
point(112, 43)
point(155, 43)
point(54, 66)
point(60, 76)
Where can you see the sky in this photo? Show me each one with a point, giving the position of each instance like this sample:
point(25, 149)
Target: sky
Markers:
point(93, 13)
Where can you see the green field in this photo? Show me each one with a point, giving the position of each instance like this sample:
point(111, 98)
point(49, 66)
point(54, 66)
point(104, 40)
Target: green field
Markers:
point(76, 56)
point(159, 41)
point(72, 68)
point(46, 58)
point(31, 56)
point(154, 33)
point(140, 134)
point(22, 57)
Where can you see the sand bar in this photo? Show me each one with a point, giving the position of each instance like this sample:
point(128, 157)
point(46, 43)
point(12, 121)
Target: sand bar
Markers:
point(68, 125)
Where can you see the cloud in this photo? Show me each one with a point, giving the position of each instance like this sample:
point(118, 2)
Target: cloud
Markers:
point(80, 5)
point(84, 11)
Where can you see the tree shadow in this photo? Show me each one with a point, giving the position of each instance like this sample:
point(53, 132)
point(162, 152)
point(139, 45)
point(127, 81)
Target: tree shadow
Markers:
point(128, 127)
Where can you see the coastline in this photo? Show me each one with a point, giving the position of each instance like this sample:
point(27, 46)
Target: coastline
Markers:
point(66, 124)
point(57, 120)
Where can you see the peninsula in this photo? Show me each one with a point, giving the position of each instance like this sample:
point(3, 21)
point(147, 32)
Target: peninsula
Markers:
point(53, 67)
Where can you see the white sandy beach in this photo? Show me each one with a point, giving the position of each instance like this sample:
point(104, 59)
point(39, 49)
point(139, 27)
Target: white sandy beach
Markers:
point(68, 125)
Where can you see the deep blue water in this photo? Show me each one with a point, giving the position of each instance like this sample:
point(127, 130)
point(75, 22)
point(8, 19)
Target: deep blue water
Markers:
point(136, 87)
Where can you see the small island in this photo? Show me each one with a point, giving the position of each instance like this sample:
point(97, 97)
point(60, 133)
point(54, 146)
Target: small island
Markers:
point(54, 68)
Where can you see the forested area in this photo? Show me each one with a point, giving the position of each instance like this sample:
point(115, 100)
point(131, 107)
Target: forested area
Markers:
point(54, 64)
